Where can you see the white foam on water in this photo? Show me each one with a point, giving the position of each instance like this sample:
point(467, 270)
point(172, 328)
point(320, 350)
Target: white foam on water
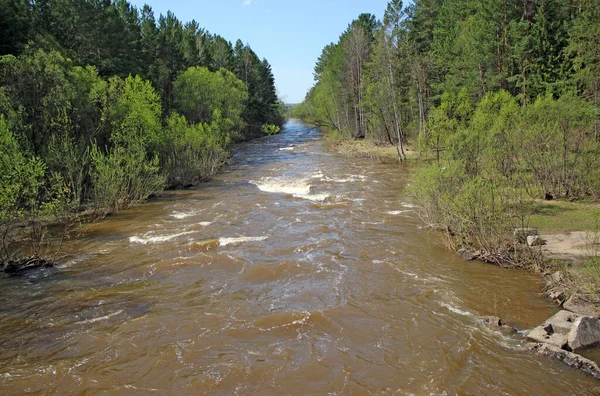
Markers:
point(293, 187)
point(397, 212)
point(182, 215)
point(235, 240)
point(94, 320)
point(205, 223)
point(298, 188)
point(348, 179)
point(286, 149)
point(455, 310)
point(318, 175)
point(156, 239)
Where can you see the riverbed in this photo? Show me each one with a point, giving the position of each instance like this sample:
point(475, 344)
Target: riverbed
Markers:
point(295, 271)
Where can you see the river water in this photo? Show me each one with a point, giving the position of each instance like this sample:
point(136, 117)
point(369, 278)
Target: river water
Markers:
point(296, 271)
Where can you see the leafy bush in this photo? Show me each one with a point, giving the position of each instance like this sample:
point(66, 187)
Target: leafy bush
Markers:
point(195, 152)
point(24, 196)
point(269, 129)
point(123, 176)
point(559, 147)
point(199, 92)
point(128, 171)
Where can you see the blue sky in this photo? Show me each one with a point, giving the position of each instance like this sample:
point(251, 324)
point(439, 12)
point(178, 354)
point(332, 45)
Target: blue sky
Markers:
point(290, 34)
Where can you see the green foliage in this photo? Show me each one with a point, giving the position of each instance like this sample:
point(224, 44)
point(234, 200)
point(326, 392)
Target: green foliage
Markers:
point(37, 86)
point(88, 92)
point(560, 147)
point(270, 129)
point(24, 195)
point(123, 176)
point(195, 151)
point(128, 170)
point(200, 92)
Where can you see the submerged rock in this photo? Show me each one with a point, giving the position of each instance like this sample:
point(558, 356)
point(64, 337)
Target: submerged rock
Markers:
point(493, 322)
point(207, 245)
point(584, 333)
point(19, 266)
point(496, 324)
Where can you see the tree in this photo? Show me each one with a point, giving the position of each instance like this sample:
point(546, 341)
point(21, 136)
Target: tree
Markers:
point(15, 25)
point(199, 93)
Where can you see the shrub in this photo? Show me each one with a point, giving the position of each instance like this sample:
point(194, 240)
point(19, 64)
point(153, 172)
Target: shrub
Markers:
point(269, 129)
point(195, 152)
point(123, 176)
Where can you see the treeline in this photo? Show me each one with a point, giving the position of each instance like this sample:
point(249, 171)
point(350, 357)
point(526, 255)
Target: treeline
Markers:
point(102, 105)
point(501, 96)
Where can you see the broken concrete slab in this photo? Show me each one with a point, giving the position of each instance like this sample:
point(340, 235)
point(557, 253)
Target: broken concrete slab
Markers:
point(555, 330)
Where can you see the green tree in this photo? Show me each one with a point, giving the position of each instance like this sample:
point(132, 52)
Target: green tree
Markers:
point(200, 92)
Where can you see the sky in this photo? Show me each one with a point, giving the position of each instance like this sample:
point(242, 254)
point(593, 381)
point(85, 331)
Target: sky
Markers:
point(289, 34)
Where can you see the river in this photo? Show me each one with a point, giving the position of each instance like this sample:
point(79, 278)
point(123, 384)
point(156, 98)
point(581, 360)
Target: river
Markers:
point(295, 271)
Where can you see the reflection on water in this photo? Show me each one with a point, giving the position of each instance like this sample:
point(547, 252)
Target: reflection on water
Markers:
point(294, 272)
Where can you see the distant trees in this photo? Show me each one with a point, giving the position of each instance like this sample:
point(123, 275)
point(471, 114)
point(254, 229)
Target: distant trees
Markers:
point(434, 47)
point(102, 105)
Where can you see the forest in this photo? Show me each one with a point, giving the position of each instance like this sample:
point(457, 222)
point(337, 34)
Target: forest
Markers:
point(499, 99)
point(103, 105)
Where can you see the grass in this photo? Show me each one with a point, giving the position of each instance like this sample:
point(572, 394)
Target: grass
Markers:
point(563, 216)
point(367, 148)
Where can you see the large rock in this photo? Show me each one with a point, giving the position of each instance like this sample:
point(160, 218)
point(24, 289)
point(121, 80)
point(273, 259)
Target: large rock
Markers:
point(555, 330)
point(585, 333)
point(535, 240)
point(521, 234)
point(582, 306)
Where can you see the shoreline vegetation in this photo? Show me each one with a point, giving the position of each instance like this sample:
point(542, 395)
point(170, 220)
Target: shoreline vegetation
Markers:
point(500, 104)
point(102, 106)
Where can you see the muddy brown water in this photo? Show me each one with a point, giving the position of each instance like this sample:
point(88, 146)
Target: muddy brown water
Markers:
point(296, 271)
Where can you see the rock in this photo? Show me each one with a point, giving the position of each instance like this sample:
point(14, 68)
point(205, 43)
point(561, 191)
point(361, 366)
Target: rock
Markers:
point(569, 358)
point(579, 304)
point(492, 321)
point(521, 234)
point(558, 295)
point(535, 240)
point(555, 330)
point(556, 278)
point(469, 255)
point(208, 244)
point(585, 333)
